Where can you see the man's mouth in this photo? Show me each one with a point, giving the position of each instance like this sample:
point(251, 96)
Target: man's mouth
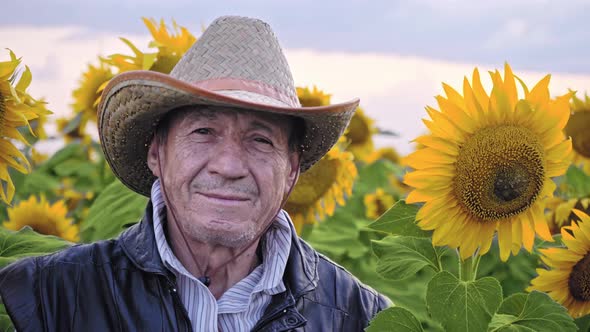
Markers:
point(225, 198)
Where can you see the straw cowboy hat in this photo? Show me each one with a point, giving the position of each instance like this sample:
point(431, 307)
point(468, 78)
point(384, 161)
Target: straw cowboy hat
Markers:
point(236, 63)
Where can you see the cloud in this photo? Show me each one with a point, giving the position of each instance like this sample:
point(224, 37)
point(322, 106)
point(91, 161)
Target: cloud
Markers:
point(532, 34)
point(393, 88)
point(57, 59)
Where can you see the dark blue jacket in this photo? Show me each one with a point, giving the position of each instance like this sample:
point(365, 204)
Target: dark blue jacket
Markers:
point(122, 285)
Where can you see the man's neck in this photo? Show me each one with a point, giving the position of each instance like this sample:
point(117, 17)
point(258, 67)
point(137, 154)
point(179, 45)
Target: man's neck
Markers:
point(216, 262)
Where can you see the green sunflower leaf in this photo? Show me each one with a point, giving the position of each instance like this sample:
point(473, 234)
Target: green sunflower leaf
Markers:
point(394, 319)
point(338, 237)
point(531, 312)
point(38, 182)
point(116, 208)
point(403, 256)
point(463, 305)
point(514, 275)
point(583, 323)
point(399, 220)
point(74, 167)
point(69, 151)
point(5, 322)
point(373, 176)
point(578, 182)
point(26, 242)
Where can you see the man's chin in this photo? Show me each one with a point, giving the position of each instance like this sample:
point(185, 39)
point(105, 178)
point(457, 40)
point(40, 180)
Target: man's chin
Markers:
point(216, 234)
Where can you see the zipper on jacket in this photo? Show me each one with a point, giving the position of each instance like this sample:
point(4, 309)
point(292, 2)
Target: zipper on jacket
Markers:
point(179, 306)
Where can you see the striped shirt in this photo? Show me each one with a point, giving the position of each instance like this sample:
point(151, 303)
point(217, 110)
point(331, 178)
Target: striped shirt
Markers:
point(241, 306)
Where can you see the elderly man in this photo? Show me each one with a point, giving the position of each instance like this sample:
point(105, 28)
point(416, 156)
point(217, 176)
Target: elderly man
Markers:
point(217, 145)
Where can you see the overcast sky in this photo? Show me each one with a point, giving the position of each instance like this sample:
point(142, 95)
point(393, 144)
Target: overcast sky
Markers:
point(530, 34)
point(391, 54)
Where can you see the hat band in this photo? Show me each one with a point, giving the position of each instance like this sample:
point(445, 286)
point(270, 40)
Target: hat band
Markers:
point(230, 83)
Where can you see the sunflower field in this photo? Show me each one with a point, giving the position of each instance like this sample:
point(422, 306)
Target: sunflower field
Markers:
point(484, 227)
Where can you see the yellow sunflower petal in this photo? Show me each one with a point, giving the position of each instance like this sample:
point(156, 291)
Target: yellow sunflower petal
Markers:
point(480, 94)
point(540, 223)
point(324, 185)
point(456, 115)
point(517, 236)
point(427, 157)
point(488, 160)
point(43, 217)
point(504, 239)
point(438, 143)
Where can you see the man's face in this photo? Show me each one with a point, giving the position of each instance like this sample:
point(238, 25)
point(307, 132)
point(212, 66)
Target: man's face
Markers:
point(226, 172)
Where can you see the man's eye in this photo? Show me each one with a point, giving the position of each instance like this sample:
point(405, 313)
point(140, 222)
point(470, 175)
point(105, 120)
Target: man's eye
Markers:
point(203, 131)
point(263, 140)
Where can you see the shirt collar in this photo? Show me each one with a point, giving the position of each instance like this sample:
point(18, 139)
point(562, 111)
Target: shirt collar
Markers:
point(275, 250)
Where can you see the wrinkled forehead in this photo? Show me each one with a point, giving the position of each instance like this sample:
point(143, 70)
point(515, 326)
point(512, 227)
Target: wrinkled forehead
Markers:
point(189, 114)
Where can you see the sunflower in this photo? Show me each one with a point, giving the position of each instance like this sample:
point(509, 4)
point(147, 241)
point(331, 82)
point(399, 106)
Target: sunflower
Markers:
point(87, 95)
point(387, 153)
point(77, 134)
point(487, 162)
point(38, 124)
point(377, 203)
point(17, 108)
point(568, 279)
point(123, 63)
point(72, 197)
point(562, 214)
point(38, 157)
point(577, 129)
point(171, 46)
point(311, 98)
point(43, 218)
point(360, 134)
point(321, 187)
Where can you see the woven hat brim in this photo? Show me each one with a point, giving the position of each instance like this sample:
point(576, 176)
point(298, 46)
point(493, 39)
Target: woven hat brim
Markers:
point(133, 103)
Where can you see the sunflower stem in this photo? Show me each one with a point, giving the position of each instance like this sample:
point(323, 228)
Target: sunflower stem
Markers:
point(466, 269)
point(476, 266)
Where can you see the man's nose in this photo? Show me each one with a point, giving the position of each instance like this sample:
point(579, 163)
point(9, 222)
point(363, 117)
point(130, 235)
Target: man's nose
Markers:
point(228, 159)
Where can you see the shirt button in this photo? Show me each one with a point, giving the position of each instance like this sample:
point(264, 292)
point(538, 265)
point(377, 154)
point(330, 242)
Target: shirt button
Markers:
point(291, 320)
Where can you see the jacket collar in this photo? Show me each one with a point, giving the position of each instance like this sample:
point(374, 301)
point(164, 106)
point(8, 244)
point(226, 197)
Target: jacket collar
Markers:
point(139, 243)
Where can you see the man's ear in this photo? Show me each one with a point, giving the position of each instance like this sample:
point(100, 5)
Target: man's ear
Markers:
point(153, 156)
point(294, 160)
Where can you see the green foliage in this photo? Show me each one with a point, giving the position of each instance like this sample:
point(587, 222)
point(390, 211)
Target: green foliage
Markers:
point(26, 242)
point(515, 274)
point(399, 220)
point(5, 322)
point(422, 280)
point(346, 239)
point(346, 242)
point(531, 312)
point(391, 254)
point(463, 305)
point(375, 175)
point(75, 168)
point(395, 319)
point(402, 256)
point(583, 323)
point(116, 208)
point(578, 182)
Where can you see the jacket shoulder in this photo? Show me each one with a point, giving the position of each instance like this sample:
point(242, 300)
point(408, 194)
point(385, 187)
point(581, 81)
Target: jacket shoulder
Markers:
point(29, 285)
point(97, 253)
point(339, 288)
point(18, 288)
